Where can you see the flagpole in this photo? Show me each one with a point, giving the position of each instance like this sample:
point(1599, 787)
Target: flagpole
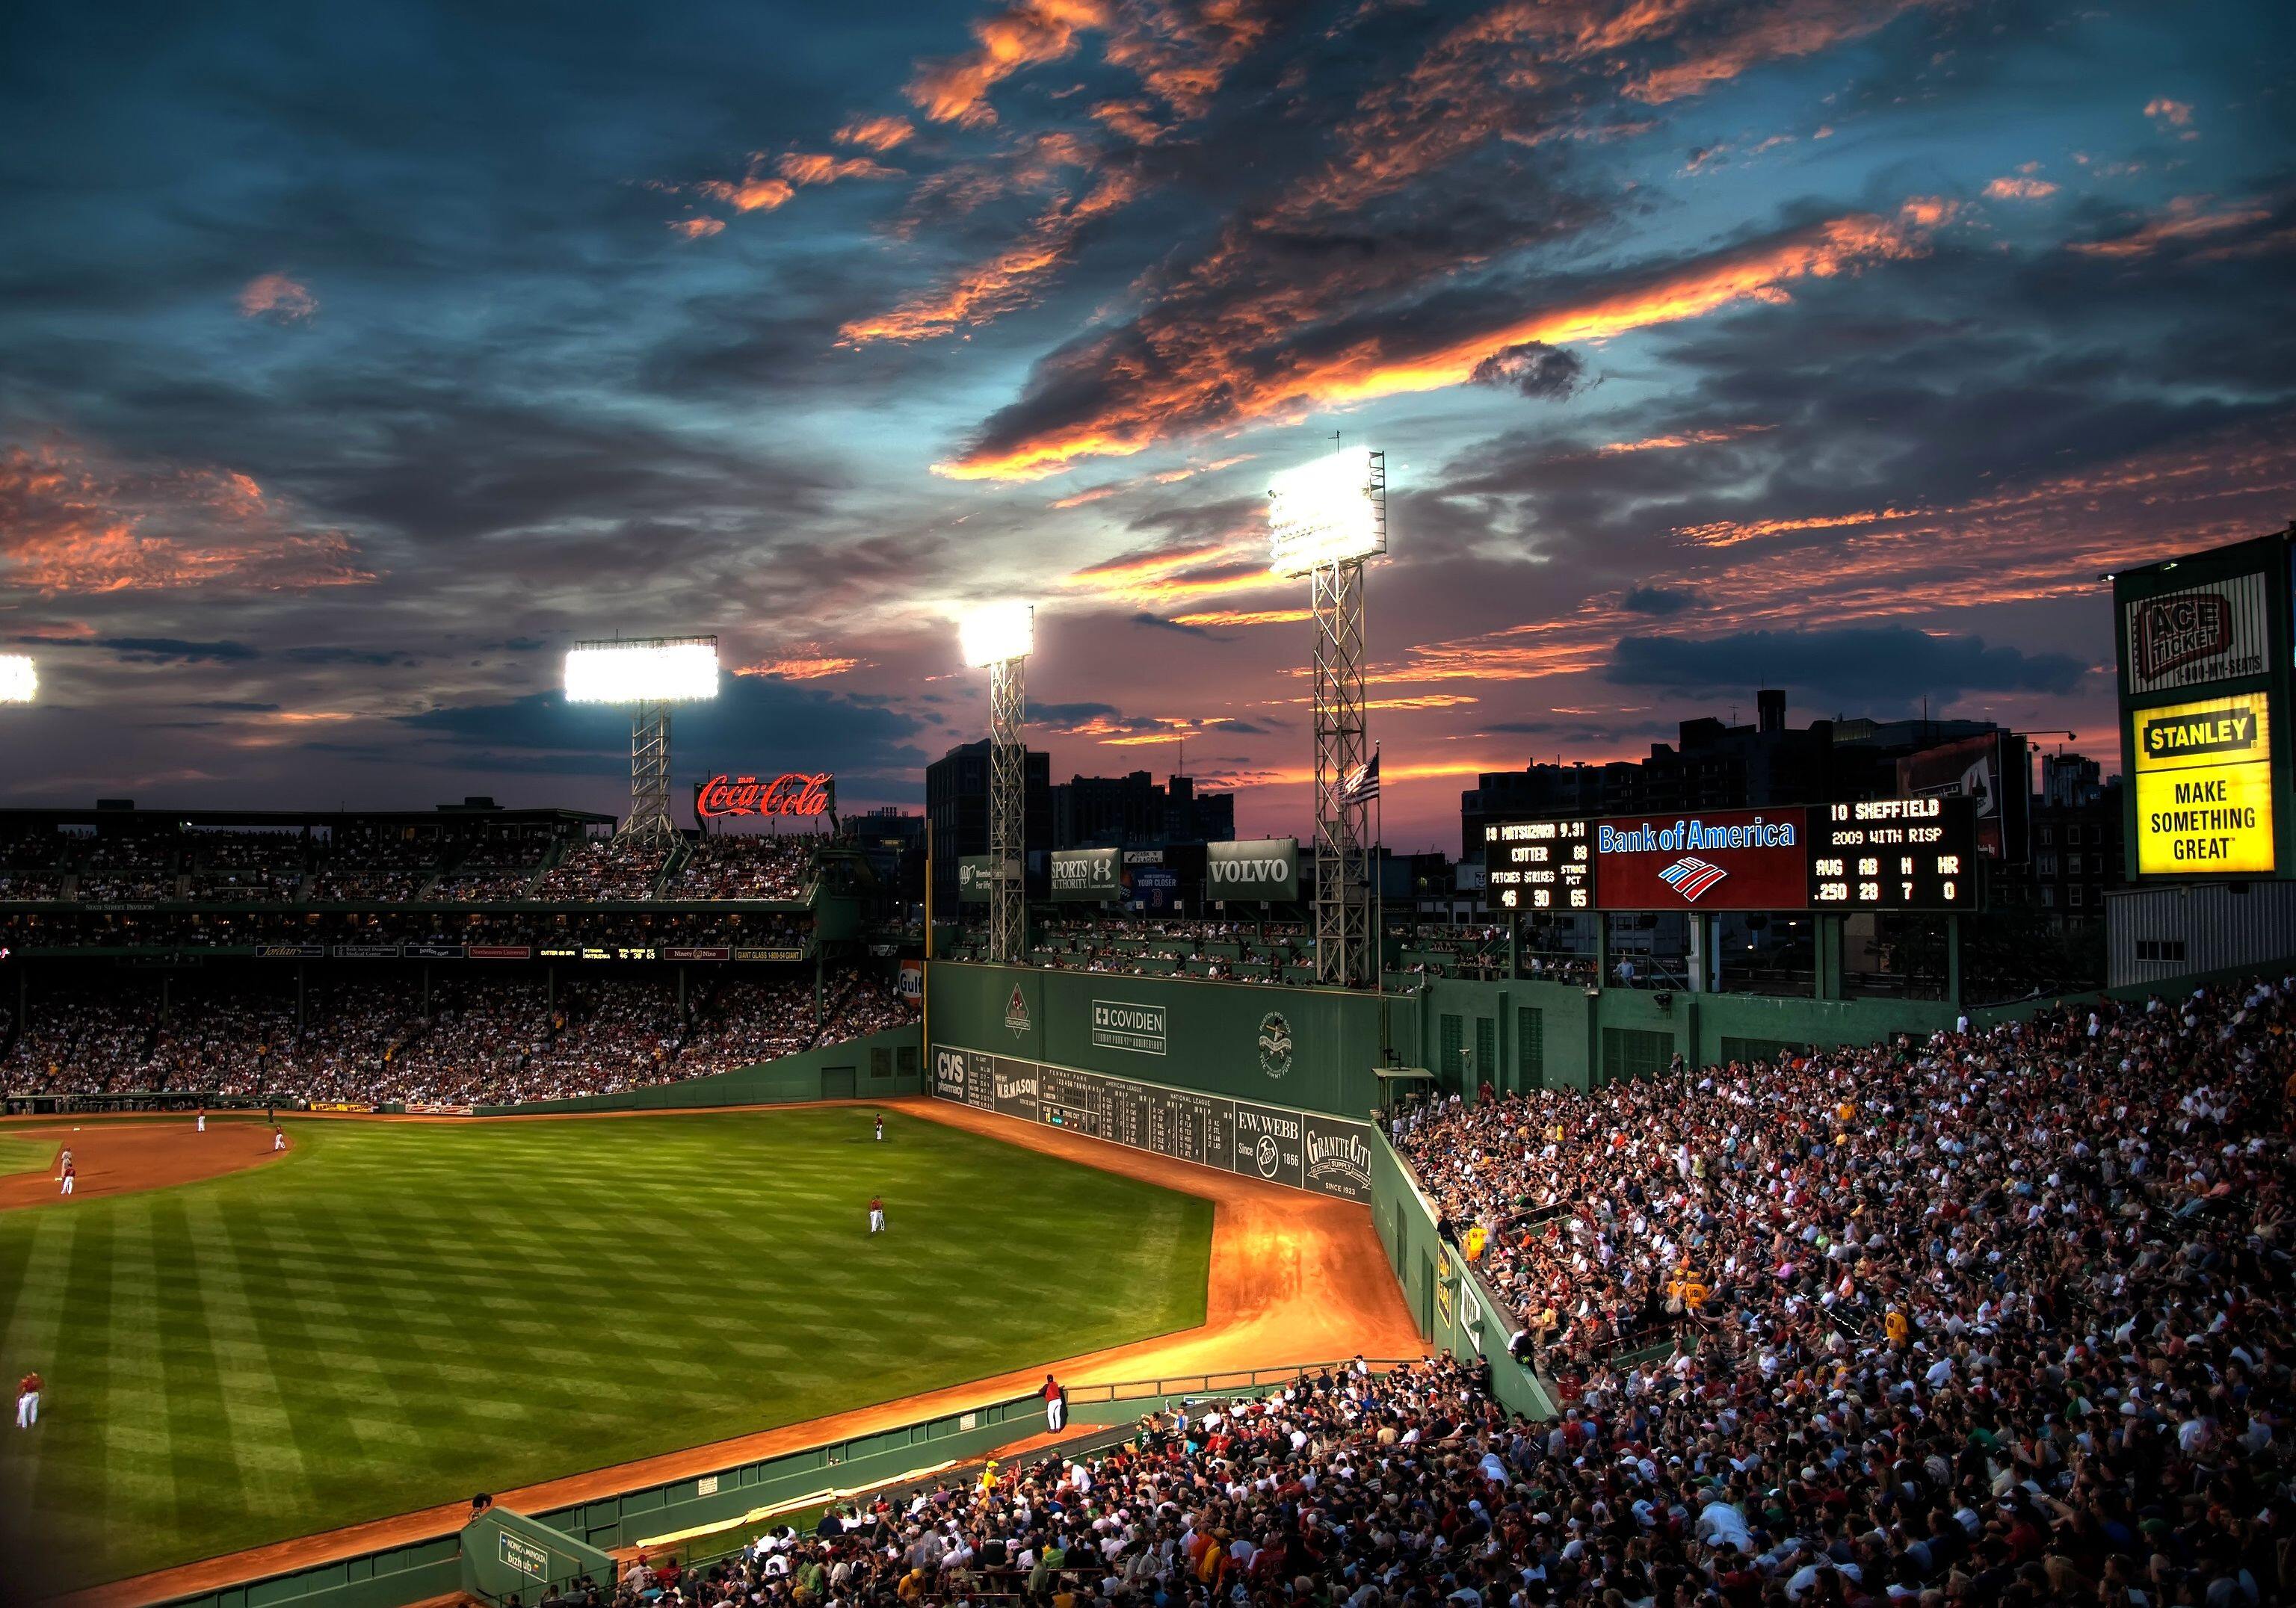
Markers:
point(1379, 891)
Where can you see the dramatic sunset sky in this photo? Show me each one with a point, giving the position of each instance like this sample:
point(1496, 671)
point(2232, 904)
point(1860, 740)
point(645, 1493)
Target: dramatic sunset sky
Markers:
point(355, 359)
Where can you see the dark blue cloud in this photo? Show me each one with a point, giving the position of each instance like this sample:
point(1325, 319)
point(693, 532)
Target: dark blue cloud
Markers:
point(1886, 666)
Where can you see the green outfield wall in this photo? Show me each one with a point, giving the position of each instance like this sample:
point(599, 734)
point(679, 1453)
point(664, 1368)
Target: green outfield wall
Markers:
point(876, 1068)
point(1310, 1048)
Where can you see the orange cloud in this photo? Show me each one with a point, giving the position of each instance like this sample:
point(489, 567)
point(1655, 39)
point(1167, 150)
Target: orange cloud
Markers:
point(278, 297)
point(1243, 616)
point(1659, 444)
point(2175, 114)
point(817, 168)
point(810, 665)
point(1007, 281)
point(2188, 219)
point(697, 228)
point(74, 522)
point(1768, 33)
point(879, 133)
point(1199, 376)
point(2020, 190)
point(1728, 533)
point(1025, 33)
point(751, 194)
point(1090, 493)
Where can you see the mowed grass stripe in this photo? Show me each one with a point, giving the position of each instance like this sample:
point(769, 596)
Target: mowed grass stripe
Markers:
point(396, 1315)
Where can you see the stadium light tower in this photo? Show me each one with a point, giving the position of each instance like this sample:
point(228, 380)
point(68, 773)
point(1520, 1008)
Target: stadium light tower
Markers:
point(1325, 519)
point(650, 674)
point(997, 637)
point(19, 680)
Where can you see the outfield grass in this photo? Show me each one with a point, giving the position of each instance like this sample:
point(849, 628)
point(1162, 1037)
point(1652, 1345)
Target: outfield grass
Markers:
point(21, 1154)
point(399, 1315)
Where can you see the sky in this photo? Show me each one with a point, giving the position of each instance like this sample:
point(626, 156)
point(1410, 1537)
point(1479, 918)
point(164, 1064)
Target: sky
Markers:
point(355, 361)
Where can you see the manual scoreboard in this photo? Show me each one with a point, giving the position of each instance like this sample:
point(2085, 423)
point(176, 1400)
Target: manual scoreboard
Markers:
point(1893, 854)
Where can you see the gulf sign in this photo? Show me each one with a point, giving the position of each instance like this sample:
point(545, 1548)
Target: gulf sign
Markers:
point(1722, 860)
point(791, 792)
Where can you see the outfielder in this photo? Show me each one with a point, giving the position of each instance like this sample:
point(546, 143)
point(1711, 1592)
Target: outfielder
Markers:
point(204, 1119)
point(70, 1174)
point(278, 1138)
point(880, 1127)
point(27, 1402)
point(876, 1214)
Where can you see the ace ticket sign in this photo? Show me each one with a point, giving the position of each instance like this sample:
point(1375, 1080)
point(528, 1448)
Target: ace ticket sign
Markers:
point(2204, 787)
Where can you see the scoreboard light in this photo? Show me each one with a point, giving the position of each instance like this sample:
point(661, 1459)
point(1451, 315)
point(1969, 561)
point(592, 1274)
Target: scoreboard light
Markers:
point(1327, 511)
point(668, 671)
point(1538, 865)
point(1893, 854)
point(994, 634)
point(19, 680)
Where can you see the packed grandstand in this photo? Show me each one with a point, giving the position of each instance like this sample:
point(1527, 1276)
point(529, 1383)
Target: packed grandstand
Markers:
point(1994, 1317)
point(469, 1040)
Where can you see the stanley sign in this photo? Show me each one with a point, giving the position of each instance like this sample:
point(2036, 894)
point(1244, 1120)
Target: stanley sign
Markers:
point(2204, 788)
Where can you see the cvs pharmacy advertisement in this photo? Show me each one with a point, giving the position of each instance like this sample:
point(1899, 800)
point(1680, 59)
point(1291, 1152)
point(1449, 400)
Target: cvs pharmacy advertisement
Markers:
point(1720, 859)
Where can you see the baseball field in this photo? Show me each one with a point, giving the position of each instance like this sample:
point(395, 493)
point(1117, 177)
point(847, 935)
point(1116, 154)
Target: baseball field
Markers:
point(393, 1314)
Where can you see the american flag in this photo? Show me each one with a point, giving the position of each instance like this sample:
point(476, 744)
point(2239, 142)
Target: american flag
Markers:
point(1361, 785)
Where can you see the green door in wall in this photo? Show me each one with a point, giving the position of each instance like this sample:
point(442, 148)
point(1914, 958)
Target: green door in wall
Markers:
point(1488, 1069)
point(1529, 1047)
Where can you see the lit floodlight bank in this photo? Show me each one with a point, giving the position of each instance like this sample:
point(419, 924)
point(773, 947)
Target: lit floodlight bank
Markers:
point(1327, 511)
point(657, 672)
point(997, 633)
point(18, 680)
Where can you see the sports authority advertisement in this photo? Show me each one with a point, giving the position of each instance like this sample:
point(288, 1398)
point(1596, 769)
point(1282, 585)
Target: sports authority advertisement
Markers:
point(1721, 860)
point(1323, 1155)
point(2201, 634)
point(2204, 787)
point(1086, 876)
point(1263, 870)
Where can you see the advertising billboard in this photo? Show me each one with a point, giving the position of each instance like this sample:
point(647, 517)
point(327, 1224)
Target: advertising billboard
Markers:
point(1990, 771)
point(2188, 638)
point(798, 793)
point(1723, 859)
point(2204, 787)
point(1086, 876)
point(1261, 870)
point(976, 879)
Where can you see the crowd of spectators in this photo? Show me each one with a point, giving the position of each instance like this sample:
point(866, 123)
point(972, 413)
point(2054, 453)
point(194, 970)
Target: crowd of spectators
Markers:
point(778, 930)
point(747, 865)
point(1999, 1316)
point(604, 868)
point(479, 1036)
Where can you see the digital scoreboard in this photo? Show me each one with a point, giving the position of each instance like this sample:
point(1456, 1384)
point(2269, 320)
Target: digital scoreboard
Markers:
point(1912, 854)
point(1539, 865)
point(1893, 854)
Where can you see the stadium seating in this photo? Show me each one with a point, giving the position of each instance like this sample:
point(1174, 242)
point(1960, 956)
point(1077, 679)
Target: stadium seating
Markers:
point(1998, 1318)
point(486, 1039)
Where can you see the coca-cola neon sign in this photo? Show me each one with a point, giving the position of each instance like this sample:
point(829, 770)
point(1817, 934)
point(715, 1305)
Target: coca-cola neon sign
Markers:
point(791, 792)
